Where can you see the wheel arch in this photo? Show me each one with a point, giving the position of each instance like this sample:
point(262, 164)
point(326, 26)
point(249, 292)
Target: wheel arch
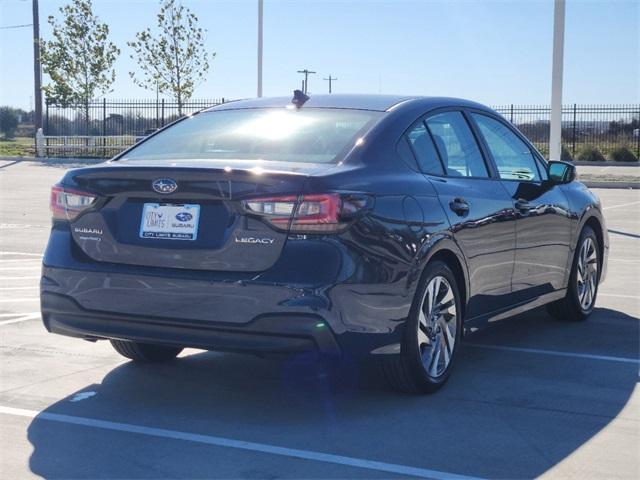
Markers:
point(597, 227)
point(447, 251)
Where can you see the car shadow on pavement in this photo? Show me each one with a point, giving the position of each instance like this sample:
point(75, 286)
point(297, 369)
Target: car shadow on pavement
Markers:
point(503, 413)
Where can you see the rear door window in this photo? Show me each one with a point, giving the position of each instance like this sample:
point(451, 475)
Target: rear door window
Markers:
point(456, 145)
point(512, 156)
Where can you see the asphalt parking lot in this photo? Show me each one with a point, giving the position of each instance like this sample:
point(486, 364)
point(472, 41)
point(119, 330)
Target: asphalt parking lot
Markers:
point(529, 397)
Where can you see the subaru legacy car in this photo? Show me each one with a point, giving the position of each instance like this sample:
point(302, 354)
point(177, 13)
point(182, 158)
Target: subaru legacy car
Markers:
point(374, 227)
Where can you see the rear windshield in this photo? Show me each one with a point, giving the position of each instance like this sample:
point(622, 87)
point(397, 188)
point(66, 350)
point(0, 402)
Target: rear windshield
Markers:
point(291, 135)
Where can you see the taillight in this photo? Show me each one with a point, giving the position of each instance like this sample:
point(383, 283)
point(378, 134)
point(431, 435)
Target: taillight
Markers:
point(321, 213)
point(66, 204)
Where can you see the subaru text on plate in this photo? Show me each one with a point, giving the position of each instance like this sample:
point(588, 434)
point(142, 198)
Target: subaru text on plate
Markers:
point(380, 227)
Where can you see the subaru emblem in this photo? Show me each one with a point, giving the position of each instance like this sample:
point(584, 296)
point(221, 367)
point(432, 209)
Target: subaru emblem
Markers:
point(184, 217)
point(164, 185)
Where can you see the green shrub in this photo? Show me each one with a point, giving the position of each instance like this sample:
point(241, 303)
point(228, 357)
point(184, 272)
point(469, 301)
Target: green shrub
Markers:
point(590, 154)
point(622, 154)
point(565, 156)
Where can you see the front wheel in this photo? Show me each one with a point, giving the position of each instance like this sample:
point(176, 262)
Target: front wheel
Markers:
point(145, 352)
point(432, 334)
point(583, 282)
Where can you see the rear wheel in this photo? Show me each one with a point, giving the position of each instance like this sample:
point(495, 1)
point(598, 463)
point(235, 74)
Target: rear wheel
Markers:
point(431, 336)
point(145, 352)
point(583, 283)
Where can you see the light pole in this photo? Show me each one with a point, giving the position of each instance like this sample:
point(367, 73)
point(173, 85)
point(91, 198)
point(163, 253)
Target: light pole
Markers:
point(260, 18)
point(555, 132)
point(37, 73)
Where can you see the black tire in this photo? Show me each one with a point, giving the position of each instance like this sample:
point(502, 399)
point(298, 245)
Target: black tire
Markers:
point(569, 308)
point(405, 372)
point(145, 352)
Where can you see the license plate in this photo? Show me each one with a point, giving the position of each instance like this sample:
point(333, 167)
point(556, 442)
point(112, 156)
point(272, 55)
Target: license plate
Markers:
point(170, 222)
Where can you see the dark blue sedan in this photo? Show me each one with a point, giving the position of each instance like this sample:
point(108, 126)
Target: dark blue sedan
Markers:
point(347, 225)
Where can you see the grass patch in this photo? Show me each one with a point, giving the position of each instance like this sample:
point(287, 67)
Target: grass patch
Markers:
point(16, 147)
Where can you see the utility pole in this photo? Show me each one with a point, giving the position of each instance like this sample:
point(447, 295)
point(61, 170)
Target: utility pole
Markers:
point(305, 84)
point(37, 72)
point(260, 18)
point(555, 132)
point(331, 79)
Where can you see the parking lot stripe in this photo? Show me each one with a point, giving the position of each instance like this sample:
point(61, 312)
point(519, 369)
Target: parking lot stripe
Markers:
point(6, 261)
point(555, 353)
point(22, 253)
point(621, 205)
point(12, 300)
point(617, 295)
point(19, 278)
point(5, 315)
point(32, 287)
point(237, 444)
point(22, 318)
point(23, 267)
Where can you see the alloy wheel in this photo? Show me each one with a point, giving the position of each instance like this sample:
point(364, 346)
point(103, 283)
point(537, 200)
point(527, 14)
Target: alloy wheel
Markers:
point(437, 324)
point(587, 273)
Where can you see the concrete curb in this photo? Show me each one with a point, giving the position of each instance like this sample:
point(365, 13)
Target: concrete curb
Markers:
point(55, 161)
point(619, 185)
point(606, 164)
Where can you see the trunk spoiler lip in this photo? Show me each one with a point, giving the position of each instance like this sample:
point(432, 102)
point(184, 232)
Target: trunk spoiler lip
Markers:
point(256, 169)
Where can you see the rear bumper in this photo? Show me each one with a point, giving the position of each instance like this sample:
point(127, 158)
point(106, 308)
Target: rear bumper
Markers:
point(318, 296)
point(268, 333)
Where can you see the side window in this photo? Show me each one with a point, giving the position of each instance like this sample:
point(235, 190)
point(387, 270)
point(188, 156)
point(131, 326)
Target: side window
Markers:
point(458, 149)
point(422, 146)
point(513, 157)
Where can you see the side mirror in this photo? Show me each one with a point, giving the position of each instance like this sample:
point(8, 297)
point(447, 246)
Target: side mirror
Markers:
point(561, 172)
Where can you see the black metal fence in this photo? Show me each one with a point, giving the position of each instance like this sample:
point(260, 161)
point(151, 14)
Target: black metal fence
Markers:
point(117, 117)
point(604, 127)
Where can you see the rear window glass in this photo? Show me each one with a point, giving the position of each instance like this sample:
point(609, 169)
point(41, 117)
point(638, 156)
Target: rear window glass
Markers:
point(292, 135)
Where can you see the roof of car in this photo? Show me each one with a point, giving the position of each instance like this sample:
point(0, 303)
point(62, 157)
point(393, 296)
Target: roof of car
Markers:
point(380, 103)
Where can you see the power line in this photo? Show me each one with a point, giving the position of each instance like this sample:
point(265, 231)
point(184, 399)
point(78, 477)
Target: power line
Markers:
point(305, 83)
point(17, 26)
point(331, 80)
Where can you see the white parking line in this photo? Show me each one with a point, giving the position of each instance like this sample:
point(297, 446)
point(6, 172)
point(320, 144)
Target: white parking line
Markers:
point(5, 315)
point(237, 444)
point(12, 300)
point(19, 278)
point(621, 205)
point(22, 253)
point(555, 353)
point(6, 261)
point(6, 289)
point(23, 318)
point(23, 267)
point(618, 295)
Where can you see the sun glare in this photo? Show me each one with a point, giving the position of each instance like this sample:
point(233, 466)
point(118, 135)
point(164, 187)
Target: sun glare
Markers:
point(274, 125)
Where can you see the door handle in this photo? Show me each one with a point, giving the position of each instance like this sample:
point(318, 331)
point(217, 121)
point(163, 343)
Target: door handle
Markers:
point(459, 206)
point(523, 205)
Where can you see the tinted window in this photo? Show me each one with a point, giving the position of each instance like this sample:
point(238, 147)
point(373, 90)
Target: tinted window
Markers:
point(406, 154)
point(424, 150)
point(457, 146)
point(291, 135)
point(513, 157)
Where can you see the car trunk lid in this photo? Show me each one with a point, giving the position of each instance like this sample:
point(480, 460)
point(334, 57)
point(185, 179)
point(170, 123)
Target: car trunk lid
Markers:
point(200, 225)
